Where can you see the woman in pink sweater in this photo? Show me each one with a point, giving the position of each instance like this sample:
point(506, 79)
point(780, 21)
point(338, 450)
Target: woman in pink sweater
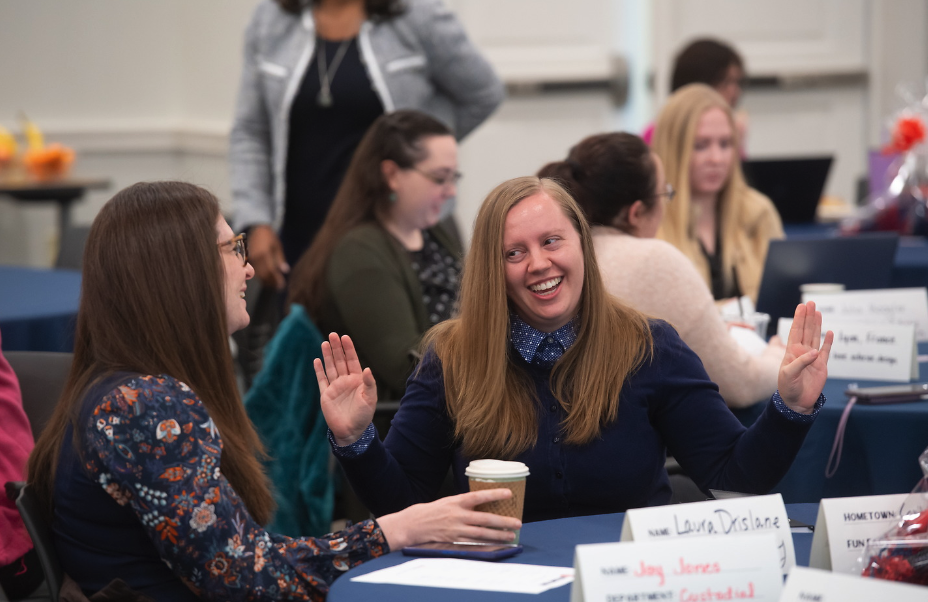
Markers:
point(620, 185)
point(20, 573)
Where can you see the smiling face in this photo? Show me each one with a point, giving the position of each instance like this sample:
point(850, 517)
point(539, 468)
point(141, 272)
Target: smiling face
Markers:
point(543, 258)
point(419, 198)
point(713, 153)
point(235, 277)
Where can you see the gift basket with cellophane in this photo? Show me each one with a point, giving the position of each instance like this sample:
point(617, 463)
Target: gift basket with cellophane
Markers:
point(902, 205)
point(901, 554)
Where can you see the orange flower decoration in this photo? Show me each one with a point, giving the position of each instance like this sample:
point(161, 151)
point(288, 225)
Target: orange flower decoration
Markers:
point(909, 131)
point(50, 162)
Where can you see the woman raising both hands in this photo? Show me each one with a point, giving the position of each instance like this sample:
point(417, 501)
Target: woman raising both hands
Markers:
point(544, 367)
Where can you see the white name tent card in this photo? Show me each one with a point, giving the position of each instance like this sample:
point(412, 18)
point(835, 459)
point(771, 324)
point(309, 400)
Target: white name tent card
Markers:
point(812, 585)
point(900, 306)
point(729, 517)
point(845, 525)
point(690, 570)
point(868, 351)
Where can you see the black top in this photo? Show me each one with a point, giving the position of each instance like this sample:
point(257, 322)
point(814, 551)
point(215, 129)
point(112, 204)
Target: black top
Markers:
point(438, 270)
point(322, 141)
point(722, 287)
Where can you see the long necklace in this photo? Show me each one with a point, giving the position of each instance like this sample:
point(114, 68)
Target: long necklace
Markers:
point(327, 73)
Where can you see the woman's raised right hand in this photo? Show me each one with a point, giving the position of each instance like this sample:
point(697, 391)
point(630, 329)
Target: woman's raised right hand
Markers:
point(348, 394)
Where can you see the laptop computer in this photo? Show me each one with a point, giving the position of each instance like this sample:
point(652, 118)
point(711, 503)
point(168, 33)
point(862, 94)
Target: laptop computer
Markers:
point(858, 262)
point(794, 185)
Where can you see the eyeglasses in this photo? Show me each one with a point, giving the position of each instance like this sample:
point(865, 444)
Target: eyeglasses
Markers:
point(238, 247)
point(448, 179)
point(669, 193)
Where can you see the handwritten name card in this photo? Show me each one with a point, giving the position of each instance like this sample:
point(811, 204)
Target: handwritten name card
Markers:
point(812, 585)
point(691, 570)
point(728, 517)
point(868, 351)
point(845, 526)
point(900, 306)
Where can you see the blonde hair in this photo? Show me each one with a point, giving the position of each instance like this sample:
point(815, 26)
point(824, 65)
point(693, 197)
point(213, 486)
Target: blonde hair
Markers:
point(674, 135)
point(489, 397)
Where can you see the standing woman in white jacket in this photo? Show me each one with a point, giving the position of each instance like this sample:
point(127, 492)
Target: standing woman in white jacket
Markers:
point(619, 182)
point(316, 74)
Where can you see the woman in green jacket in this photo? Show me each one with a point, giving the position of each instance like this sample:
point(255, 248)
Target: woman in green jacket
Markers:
point(382, 269)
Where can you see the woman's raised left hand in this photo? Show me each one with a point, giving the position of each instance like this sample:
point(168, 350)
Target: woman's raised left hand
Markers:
point(805, 363)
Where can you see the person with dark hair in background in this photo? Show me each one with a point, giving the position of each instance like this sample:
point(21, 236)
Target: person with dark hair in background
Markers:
point(382, 269)
point(716, 64)
point(315, 76)
point(149, 468)
point(719, 222)
point(710, 62)
point(20, 572)
point(543, 366)
point(619, 182)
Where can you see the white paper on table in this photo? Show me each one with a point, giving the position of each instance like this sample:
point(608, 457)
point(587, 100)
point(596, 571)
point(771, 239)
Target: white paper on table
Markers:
point(748, 340)
point(734, 308)
point(455, 573)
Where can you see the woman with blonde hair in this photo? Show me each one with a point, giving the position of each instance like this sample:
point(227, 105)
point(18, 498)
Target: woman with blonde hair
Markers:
point(543, 366)
point(716, 220)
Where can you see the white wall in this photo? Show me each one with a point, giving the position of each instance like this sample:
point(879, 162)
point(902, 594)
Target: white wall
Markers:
point(144, 89)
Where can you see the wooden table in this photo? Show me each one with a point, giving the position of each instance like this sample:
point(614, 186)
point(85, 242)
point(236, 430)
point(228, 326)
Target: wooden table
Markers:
point(64, 191)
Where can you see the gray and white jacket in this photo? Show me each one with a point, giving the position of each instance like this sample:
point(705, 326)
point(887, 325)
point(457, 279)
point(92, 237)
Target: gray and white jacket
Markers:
point(420, 60)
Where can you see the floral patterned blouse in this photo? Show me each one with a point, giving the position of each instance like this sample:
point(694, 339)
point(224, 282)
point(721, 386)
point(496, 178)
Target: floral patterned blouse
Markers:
point(151, 445)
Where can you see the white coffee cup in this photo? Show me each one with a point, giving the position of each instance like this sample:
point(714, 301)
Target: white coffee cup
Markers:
point(819, 288)
point(495, 474)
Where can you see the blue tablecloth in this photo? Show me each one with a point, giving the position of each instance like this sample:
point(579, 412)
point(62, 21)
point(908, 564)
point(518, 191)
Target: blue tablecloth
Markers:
point(38, 308)
point(548, 543)
point(881, 446)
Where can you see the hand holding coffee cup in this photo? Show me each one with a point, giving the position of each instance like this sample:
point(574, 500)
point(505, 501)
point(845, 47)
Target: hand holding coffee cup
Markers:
point(494, 474)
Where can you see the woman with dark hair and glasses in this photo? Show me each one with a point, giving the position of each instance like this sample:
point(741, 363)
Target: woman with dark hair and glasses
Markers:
point(382, 269)
point(619, 182)
point(149, 469)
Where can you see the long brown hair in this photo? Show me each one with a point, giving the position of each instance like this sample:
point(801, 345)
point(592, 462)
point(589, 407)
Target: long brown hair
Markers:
point(363, 197)
point(606, 174)
point(491, 399)
point(152, 302)
point(674, 134)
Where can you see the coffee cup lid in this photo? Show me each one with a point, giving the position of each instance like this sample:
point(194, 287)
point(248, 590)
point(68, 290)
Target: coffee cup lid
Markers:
point(491, 469)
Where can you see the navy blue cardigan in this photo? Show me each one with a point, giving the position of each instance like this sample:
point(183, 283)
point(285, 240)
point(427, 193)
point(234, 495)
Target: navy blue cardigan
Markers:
point(668, 404)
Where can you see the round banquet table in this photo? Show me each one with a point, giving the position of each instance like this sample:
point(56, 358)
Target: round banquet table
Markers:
point(549, 543)
point(38, 308)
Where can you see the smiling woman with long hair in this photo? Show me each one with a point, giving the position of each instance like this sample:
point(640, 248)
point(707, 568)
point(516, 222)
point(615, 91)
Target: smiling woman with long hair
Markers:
point(149, 468)
point(543, 366)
